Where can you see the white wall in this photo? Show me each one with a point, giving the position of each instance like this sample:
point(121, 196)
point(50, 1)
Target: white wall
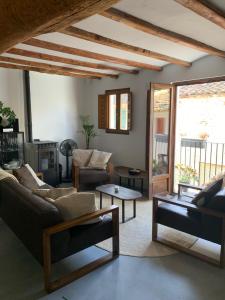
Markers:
point(12, 92)
point(56, 103)
point(130, 149)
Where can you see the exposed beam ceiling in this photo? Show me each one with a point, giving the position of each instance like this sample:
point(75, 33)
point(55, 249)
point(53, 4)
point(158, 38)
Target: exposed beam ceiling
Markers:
point(89, 54)
point(206, 10)
point(21, 20)
point(92, 37)
point(54, 67)
point(68, 61)
point(142, 25)
point(41, 70)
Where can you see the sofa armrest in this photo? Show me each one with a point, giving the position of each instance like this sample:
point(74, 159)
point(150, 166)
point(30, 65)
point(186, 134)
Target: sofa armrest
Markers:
point(175, 201)
point(51, 286)
point(78, 221)
point(190, 186)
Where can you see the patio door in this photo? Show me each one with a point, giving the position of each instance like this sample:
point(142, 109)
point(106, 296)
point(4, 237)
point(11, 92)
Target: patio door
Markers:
point(160, 137)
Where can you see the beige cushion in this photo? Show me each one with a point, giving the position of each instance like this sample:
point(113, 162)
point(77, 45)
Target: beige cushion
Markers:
point(5, 174)
point(70, 203)
point(27, 177)
point(76, 205)
point(81, 157)
point(38, 180)
point(54, 193)
point(99, 159)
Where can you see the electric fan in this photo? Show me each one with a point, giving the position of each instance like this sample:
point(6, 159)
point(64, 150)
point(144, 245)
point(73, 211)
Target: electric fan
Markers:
point(66, 148)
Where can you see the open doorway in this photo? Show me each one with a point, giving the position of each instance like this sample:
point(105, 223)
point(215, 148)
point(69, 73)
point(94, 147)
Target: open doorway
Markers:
point(200, 133)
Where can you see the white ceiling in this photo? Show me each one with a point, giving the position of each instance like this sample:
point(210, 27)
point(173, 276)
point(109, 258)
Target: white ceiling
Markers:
point(164, 13)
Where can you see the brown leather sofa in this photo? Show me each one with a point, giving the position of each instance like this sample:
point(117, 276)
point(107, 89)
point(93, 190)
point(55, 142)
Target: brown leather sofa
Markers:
point(41, 228)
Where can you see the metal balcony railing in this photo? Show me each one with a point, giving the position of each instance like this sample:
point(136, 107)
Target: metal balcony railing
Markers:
point(206, 158)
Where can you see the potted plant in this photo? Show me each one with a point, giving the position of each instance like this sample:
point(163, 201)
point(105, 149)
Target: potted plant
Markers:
point(7, 116)
point(186, 174)
point(88, 129)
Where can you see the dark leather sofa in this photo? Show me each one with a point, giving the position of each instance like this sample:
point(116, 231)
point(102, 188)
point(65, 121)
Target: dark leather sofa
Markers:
point(41, 228)
point(206, 222)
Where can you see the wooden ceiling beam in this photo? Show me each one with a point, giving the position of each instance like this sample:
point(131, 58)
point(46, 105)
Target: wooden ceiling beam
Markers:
point(54, 67)
point(68, 61)
point(41, 70)
point(21, 20)
point(205, 10)
point(142, 25)
point(89, 54)
point(92, 37)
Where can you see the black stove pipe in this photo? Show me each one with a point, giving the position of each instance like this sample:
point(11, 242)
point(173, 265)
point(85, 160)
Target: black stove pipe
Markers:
point(27, 104)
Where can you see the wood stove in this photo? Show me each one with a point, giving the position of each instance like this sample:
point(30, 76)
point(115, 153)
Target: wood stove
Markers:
point(43, 157)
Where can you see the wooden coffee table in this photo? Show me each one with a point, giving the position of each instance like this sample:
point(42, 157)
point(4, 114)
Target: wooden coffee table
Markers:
point(124, 194)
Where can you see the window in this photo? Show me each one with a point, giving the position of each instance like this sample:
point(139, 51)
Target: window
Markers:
point(114, 109)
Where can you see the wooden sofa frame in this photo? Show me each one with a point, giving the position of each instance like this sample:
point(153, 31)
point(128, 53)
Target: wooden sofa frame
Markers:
point(210, 212)
point(50, 286)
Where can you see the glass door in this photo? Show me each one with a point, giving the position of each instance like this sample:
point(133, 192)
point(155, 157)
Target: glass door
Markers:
point(159, 138)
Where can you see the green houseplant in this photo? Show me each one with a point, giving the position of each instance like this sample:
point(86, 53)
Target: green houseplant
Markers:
point(88, 129)
point(186, 174)
point(7, 115)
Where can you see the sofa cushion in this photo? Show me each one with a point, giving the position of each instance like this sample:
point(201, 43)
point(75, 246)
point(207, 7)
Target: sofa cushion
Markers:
point(70, 203)
point(54, 193)
point(202, 198)
point(217, 202)
point(4, 174)
point(177, 217)
point(99, 159)
point(217, 177)
point(75, 205)
point(81, 157)
point(25, 178)
point(92, 176)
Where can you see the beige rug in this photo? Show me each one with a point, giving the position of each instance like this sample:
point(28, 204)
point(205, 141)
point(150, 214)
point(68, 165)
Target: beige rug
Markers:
point(136, 234)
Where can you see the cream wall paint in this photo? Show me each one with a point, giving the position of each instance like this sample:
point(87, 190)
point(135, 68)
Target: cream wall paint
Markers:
point(12, 92)
point(130, 149)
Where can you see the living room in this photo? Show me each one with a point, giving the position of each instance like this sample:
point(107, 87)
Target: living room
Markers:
point(55, 78)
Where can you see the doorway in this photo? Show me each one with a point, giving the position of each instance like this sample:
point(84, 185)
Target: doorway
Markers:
point(185, 136)
point(200, 134)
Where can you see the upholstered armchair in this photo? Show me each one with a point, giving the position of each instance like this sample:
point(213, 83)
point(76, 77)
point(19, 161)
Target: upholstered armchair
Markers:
point(91, 168)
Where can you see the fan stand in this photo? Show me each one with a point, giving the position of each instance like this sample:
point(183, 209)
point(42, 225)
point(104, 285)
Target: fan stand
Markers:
point(68, 177)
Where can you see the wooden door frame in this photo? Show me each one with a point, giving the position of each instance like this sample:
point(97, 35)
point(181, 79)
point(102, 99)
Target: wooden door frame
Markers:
point(172, 128)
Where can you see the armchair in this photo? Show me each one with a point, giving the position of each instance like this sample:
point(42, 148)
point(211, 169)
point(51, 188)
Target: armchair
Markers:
point(205, 222)
point(84, 173)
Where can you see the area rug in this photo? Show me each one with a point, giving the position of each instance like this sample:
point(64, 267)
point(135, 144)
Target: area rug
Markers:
point(136, 234)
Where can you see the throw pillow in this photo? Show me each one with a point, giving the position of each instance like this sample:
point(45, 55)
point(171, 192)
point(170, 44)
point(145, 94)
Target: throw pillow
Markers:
point(81, 157)
point(54, 193)
point(75, 205)
point(217, 177)
point(27, 177)
point(99, 159)
point(38, 180)
point(218, 201)
point(5, 174)
point(207, 193)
